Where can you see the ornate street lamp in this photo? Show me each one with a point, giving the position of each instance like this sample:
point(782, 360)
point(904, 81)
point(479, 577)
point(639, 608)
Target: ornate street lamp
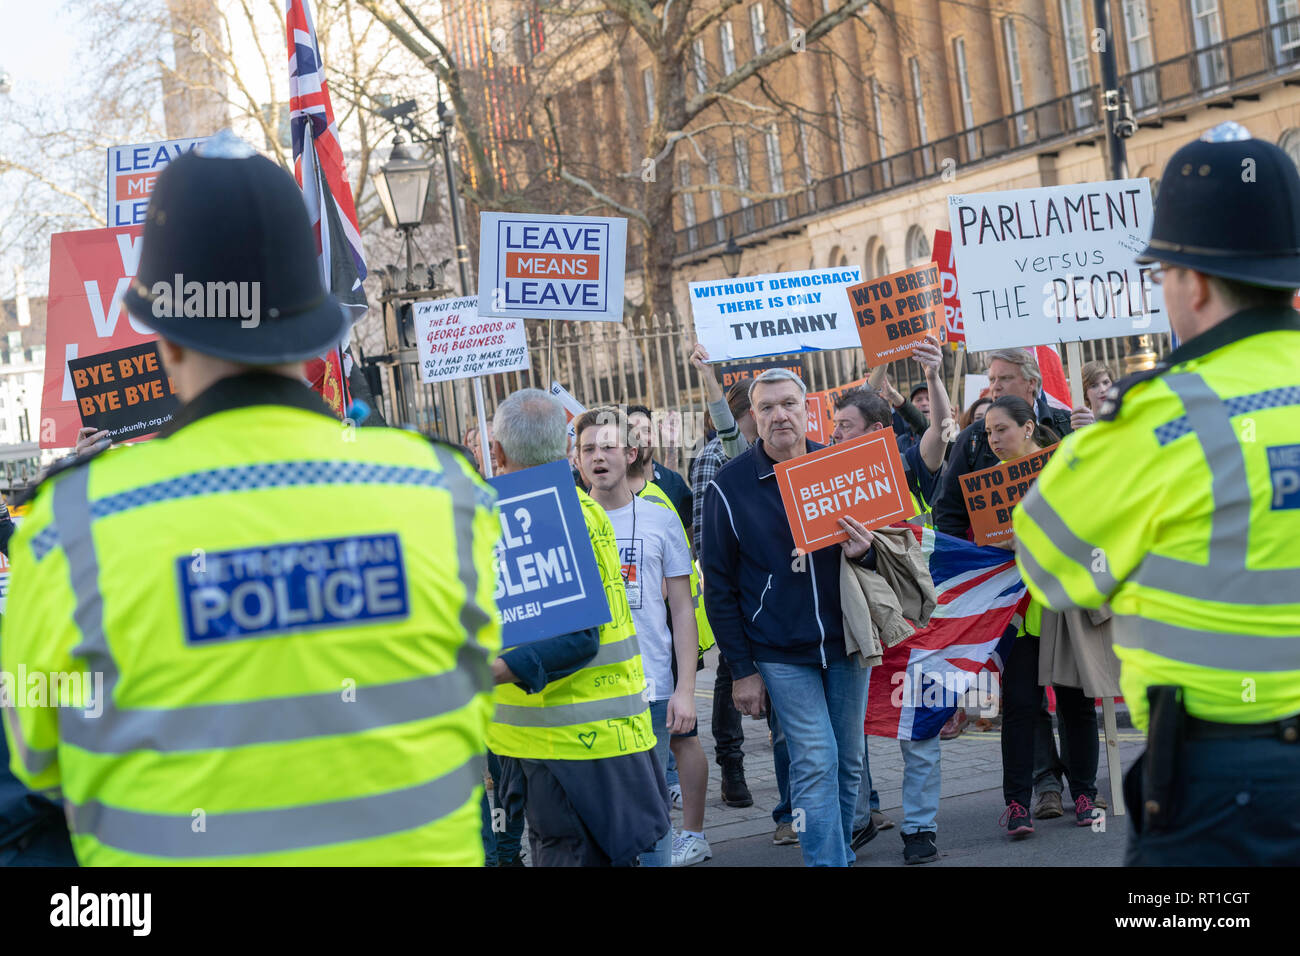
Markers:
point(731, 257)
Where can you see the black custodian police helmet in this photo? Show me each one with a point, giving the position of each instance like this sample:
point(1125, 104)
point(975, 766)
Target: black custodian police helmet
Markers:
point(228, 266)
point(1229, 206)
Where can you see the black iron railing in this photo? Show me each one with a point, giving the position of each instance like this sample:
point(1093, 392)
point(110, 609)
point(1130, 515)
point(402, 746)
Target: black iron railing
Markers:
point(1198, 75)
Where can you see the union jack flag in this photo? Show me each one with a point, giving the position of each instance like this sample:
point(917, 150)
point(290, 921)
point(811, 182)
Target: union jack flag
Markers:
point(322, 175)
point(1055, 387)
point(981, 603)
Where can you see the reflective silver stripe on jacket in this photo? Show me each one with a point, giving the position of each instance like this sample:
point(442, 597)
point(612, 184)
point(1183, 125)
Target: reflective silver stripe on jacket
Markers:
point(615, 652)
point(1214, 649)
point(259, 721)
point(1225, 577)
point(1082, 553)
point(282, 829)
point(564, 715)
point(34, 759)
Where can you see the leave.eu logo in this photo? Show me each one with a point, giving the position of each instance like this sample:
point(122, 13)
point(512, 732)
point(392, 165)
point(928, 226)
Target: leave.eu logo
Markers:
point(287, 588)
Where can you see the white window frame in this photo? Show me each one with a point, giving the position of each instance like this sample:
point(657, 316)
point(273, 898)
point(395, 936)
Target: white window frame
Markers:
point(758, 28)
point(688, 204)
point(886, 169)
point(727, 39)
point(715, 195)
point(740, 152)
point(918, 102)
point(790, 25)
point(775, 171)
point(1207, 31)
point(1286, 39)
point(1015, 79)
point(1141, 52)
point(697, 63)
point(839, 132)
point(1077, 70)
point(964, 95)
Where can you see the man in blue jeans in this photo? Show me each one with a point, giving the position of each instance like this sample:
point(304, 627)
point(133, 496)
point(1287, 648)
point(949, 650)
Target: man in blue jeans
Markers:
point(776, 616)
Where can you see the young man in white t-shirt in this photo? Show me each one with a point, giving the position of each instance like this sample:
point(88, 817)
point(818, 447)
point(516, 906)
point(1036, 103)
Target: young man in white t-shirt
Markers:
point(656, 560)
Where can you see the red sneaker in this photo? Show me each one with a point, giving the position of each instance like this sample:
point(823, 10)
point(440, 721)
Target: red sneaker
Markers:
point(1017, 820)
point(1085, 811)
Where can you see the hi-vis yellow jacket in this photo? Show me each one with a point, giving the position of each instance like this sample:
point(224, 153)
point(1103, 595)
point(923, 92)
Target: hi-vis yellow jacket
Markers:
point(599, 711)
point(653, 493)
point(1182, 508)
point(281, 629)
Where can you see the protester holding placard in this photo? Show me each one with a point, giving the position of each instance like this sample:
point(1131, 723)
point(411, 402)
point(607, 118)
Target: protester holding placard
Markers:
point(1014, 433)
point(656, 563)
point(909, 421)
point(1011, 372)
point(578, 751)
point(776, 613)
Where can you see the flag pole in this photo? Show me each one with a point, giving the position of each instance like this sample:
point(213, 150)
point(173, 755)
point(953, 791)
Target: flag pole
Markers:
point(462, 265)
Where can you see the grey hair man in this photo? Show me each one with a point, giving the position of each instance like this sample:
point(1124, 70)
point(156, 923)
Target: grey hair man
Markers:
point(585, 805)
point(528, 430)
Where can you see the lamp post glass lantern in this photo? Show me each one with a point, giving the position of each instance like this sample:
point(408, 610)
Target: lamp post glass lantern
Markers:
point(731, 257)
point(403, 186)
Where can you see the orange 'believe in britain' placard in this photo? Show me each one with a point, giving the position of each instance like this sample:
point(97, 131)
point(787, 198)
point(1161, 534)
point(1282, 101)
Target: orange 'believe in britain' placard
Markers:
point(861, 479)
point(993, 493)
point(896, 311)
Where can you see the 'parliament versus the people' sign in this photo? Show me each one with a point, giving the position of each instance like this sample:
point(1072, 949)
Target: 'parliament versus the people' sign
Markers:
point(551, 267)
point(1055, 264)
point(861, 478)
point(547, 579)
point(775, 314)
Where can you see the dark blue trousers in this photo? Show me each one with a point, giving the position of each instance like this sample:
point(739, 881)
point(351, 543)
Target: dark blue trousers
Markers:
point(1238, 804)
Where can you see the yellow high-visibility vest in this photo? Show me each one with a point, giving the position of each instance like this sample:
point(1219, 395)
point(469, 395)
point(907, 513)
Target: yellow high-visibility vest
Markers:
point(599, 711)
point(1181, 507)
point(276, 645)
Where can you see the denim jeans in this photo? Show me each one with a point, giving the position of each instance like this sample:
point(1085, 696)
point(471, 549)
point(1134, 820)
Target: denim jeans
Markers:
point(821, 710)
point(662, 854)
point(868, 798)
point(920, 788)
point(499, 848)
point(781, 766)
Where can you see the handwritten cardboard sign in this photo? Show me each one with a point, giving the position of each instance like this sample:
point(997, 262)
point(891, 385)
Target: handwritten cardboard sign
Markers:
point(992, 494)
point(862, 478)
point(452, 341)
point(896, 311)
point(547, 579)
point(126, 392)
point(734, 372)
point(1055, 264)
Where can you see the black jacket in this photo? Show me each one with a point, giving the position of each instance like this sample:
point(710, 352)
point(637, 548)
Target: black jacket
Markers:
point(971, 452)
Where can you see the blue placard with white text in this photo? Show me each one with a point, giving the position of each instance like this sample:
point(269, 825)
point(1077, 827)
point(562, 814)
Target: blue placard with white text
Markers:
point(547, 579)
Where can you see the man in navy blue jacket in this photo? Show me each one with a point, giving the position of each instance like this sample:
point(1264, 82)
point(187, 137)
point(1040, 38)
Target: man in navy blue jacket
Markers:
point(776, 616)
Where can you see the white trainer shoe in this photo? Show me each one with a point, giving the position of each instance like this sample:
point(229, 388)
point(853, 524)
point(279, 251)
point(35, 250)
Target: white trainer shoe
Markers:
point(675, 794)
point(689, 849)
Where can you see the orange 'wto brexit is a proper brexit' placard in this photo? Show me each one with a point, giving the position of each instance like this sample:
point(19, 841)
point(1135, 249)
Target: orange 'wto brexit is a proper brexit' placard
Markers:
point(992, 494)
point(896, 311)
point(862, 479)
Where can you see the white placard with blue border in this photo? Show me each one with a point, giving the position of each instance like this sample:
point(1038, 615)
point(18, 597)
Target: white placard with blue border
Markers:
point(547, 579)
point(551, 267)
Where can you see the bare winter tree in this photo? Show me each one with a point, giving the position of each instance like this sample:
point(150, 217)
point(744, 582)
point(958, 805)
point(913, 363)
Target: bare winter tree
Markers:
point(603, 99)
